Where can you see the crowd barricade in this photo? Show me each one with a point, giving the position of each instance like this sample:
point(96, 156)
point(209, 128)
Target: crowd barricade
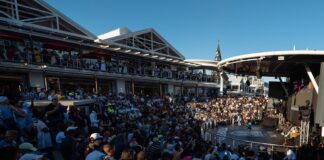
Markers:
point(276, 151)
point(85, 105)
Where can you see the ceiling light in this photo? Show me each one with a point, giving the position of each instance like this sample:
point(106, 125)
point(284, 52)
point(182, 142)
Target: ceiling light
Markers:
point(146, 54)
point(169, 59)
point(155, 56)
point(162, 58)
point(137, 53)
point(117, 49)
point(127, 51)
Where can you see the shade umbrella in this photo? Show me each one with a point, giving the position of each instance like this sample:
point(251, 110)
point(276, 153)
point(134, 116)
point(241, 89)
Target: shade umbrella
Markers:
point(58, 46)
point(98, 53)
point(7, 36)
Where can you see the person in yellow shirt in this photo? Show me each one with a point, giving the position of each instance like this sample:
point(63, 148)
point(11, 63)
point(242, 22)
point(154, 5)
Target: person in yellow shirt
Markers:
point(37, 56)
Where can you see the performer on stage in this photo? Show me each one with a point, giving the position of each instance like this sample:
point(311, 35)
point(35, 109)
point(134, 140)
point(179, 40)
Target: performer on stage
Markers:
point(249, 124)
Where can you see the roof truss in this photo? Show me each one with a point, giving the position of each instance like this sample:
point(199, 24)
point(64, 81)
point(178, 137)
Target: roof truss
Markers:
point(148, 40)
point(38, 14)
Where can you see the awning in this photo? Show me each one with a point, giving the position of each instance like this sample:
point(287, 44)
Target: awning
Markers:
point(58, 46)
point(7, 36)
point(273, 63)
point(98, 53)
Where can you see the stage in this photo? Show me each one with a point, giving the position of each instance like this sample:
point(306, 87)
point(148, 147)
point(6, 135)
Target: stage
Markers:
point(242, 135)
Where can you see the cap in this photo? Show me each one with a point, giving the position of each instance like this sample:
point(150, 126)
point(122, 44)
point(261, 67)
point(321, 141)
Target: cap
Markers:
point(95, 136)
point(71, 128)
point(27, 146)
point(3, 99)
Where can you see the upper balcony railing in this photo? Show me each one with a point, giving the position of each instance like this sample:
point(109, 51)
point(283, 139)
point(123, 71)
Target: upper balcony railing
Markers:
point(74, 61)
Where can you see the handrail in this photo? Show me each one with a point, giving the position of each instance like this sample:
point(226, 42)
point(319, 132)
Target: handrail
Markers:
point(254, 142)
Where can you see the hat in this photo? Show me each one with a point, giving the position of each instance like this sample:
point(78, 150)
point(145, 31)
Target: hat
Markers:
point(3, 99)
point(95, 136)
point(71, 128)
point(27, 146)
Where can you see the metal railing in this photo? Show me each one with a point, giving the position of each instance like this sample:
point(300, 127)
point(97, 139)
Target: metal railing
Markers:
point(215, 138)
point(120, 69)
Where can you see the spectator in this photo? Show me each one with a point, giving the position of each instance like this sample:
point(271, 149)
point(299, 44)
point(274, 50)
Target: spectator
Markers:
point(126, 155)
point(54, 113)
point(28, 152)
point(68, 147)
point(95, 144)
point(94, 122)
point(6, 116)
point(44, 141)
point(290, 155)
point(9, 139)
point(109, 150)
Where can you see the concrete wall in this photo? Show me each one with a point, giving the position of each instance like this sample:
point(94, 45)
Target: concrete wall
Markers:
point(297, 100)
point(36, 79)
point(319, 118)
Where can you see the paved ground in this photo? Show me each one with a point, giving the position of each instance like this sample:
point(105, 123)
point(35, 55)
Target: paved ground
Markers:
point(257, 134)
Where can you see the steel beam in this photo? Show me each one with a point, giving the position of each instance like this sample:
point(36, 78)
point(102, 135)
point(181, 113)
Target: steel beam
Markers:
point(283, 87)
point(311, 77)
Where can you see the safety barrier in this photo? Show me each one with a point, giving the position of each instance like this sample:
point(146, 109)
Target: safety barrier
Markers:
point(273, 149)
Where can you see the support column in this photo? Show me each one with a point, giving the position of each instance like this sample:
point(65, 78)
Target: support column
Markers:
point(283, 87)
point(311, 77)
point(160, 85)
point(133, 87)
point(197, 90)
point(45, 81)
point(121, 86)
point(181, 93)
point(59, 83)
point(96, 85)
point(221, 89)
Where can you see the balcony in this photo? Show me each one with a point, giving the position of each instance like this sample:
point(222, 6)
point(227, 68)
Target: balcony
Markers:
point(73, 63)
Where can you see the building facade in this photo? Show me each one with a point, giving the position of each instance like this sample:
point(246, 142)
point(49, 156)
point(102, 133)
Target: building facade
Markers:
point(41, 48)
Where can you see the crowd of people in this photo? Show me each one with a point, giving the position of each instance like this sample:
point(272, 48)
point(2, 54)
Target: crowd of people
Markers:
point(127, 127)
point(231, 110)
point(17, 51)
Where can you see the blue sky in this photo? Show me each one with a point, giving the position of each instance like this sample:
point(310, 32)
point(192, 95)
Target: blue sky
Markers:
point(194, 26)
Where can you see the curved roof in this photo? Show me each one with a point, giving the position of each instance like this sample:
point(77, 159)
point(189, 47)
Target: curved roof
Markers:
point(204, 63)
point(272, 63)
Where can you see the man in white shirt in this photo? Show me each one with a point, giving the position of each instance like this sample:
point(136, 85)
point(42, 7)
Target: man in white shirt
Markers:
point(94, 122)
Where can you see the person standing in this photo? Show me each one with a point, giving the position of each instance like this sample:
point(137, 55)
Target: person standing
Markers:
point(6, 116)
point(44, 141)
point(95, 144)
point(94, 122)
point(54, 113)
point(68, 146)
point(109, 149)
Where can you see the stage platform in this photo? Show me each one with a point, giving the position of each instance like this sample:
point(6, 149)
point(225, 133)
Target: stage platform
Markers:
point(242, 136)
